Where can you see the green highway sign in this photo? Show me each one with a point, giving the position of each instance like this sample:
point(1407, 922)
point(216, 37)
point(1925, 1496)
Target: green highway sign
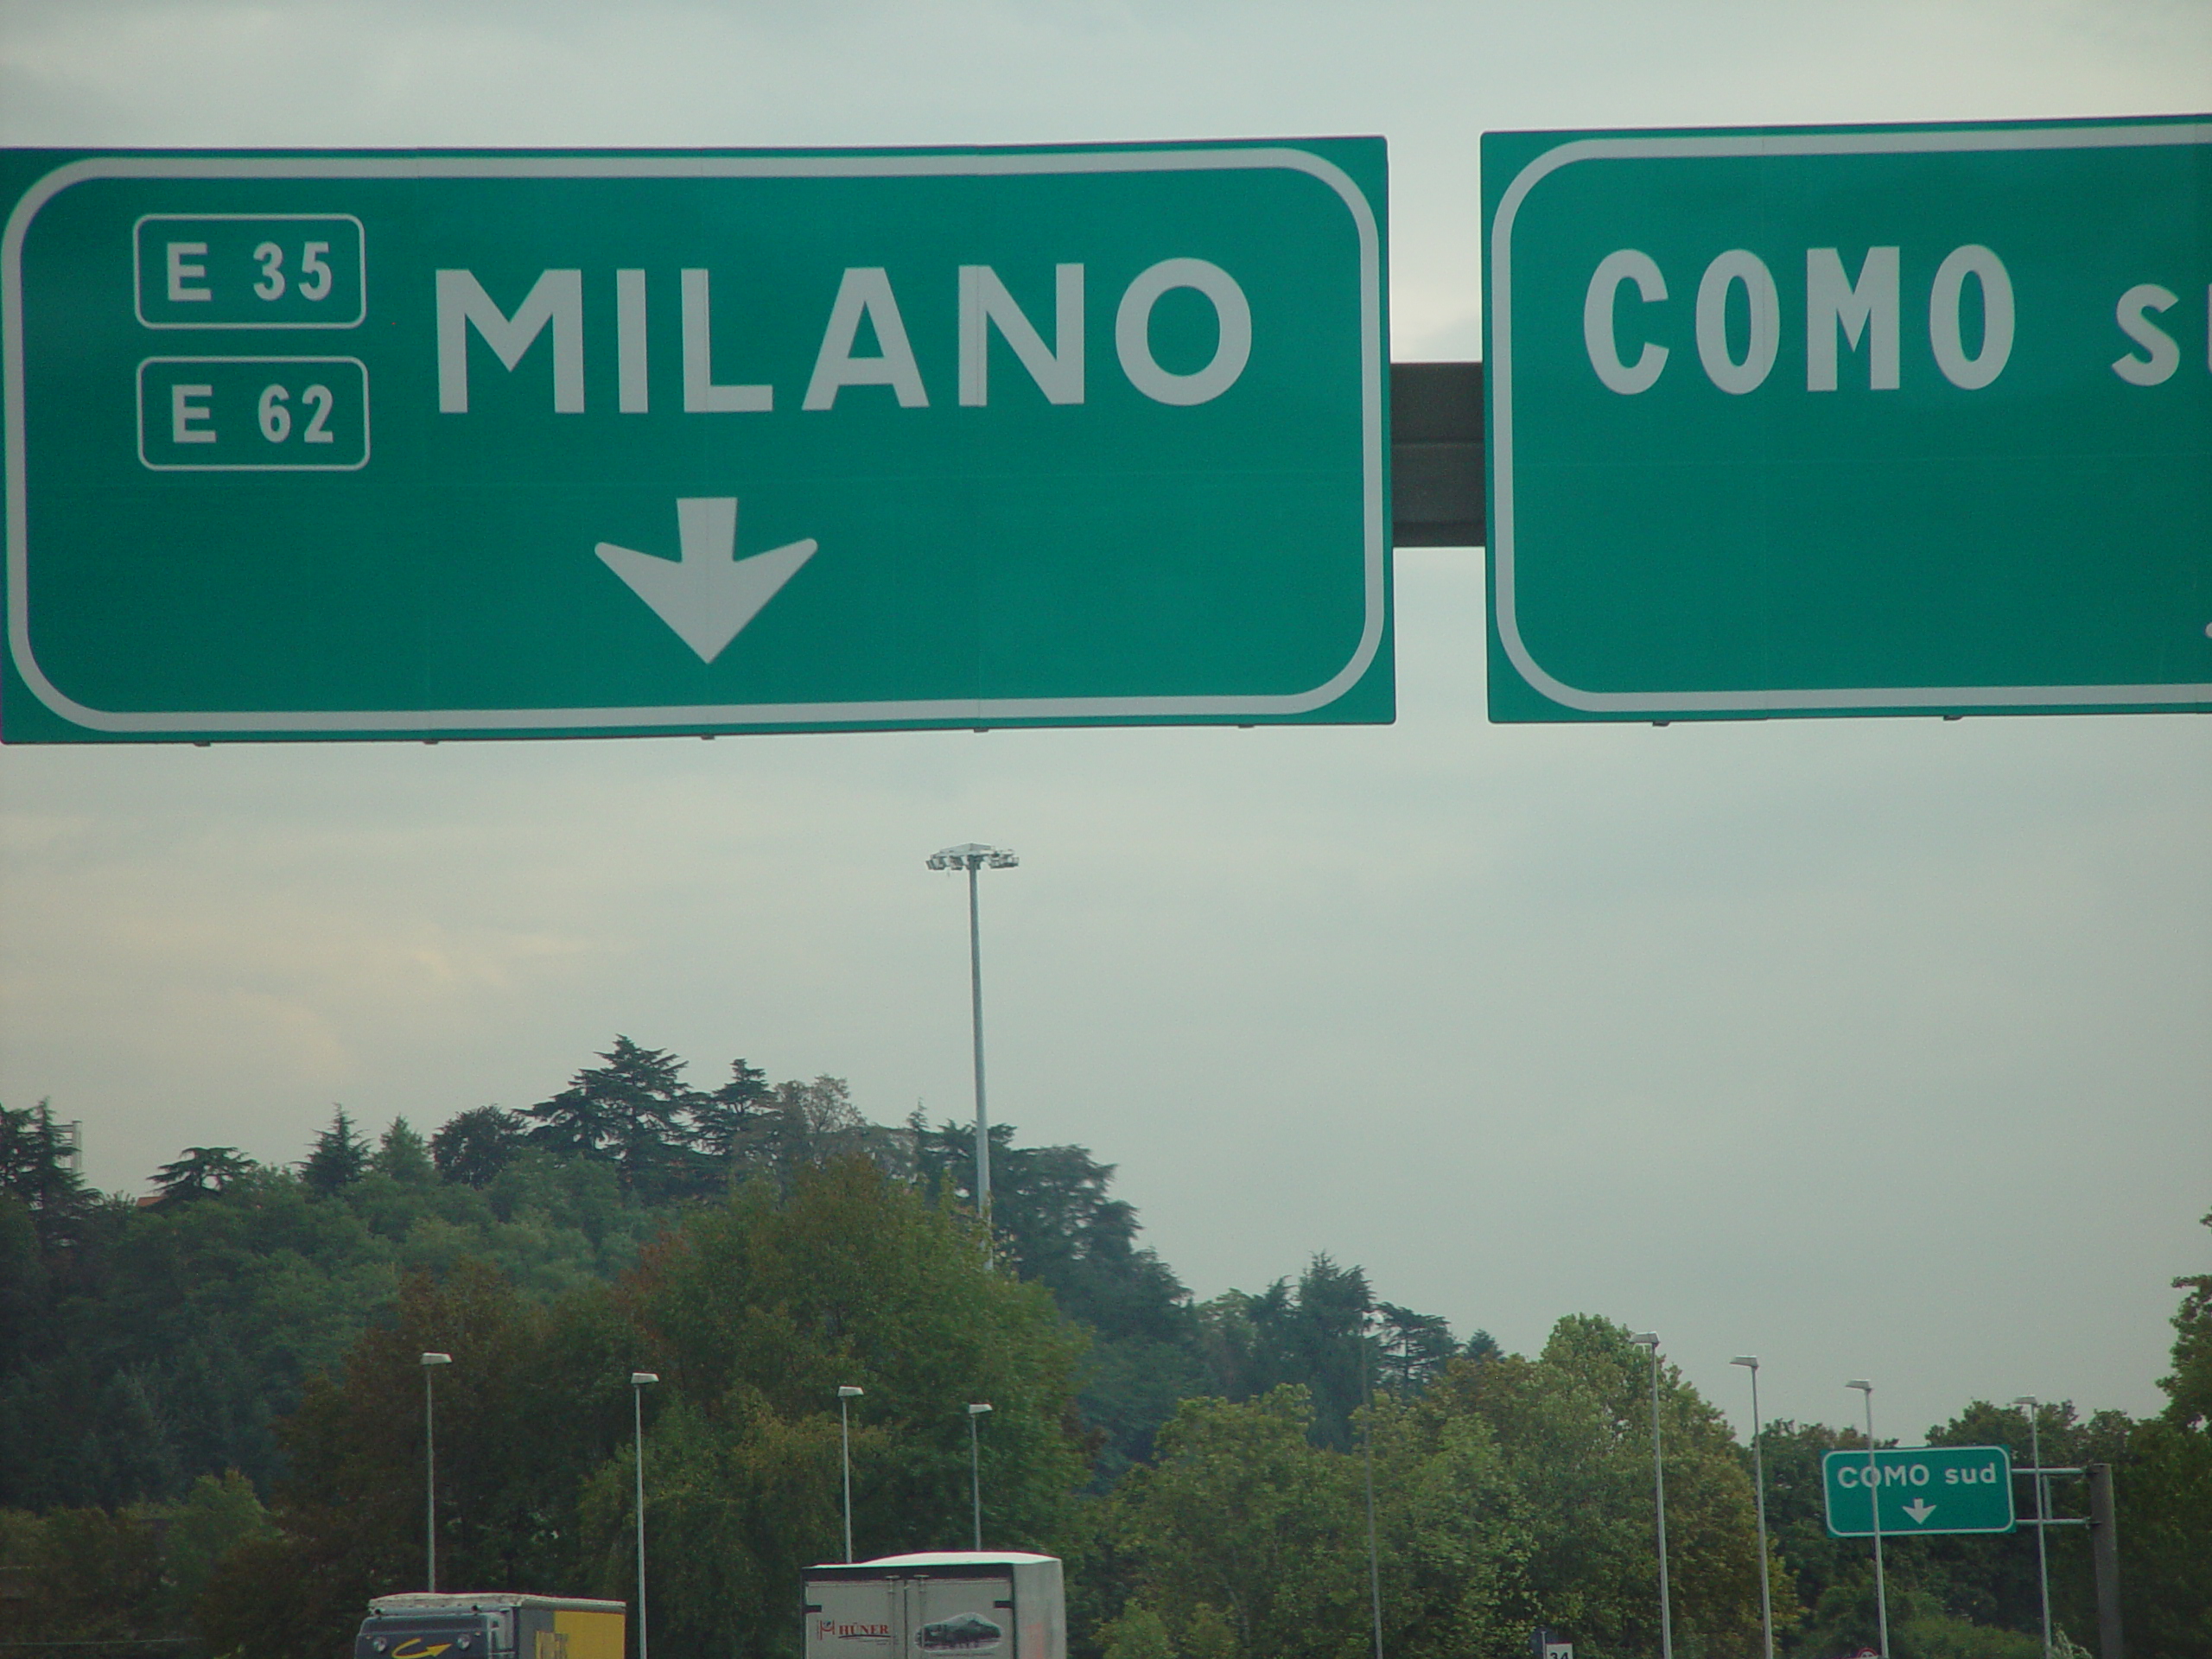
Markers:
point(412, 444)
point(1921, 1489)
point(1874, 420)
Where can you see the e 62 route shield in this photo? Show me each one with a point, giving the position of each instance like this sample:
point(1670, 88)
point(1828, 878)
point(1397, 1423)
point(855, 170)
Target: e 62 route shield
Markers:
point(1920, 1489)
point(1850, 421)
point(412, 444)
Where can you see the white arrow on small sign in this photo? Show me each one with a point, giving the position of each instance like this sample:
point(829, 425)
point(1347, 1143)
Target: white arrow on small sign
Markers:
point(709, 594)
point(1920, 1509)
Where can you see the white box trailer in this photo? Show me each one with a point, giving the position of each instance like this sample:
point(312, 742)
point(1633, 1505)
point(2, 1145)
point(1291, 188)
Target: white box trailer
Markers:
point(946, 1604)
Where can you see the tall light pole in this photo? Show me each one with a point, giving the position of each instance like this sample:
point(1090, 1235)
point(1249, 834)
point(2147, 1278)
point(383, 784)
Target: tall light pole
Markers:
point(430, 1363)
point(846, 1392)
point(1650, 1339)
point(639, 1382)
point(972, 856)
point(1367, 1451)
point(1750, 1362)
point(976, 1468)
point(1874, 1507)
point(2028, 1403)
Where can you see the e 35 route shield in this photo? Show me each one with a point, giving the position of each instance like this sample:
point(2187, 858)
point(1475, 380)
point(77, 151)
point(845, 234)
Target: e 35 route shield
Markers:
point(356, 445)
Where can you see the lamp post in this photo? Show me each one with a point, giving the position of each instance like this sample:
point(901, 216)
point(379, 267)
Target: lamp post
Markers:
point(1751, 1363)
point(639, 1382)
point(846, 1391)
point(972, 856)
point(1367, 1459)
point(430, 1363)
point(2029, 1402)
point(976, 1469)
point(1650, 1339)
point(1874, 1507)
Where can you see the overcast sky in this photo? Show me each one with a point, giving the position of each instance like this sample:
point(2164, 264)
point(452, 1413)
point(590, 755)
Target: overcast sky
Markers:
point(1878, 1048)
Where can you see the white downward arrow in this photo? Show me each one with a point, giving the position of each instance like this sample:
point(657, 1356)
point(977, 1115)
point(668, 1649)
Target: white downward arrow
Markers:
point(710, 594)
point(1920, 1509)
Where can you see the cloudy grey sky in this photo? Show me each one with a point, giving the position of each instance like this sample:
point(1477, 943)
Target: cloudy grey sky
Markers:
point(1880, 1048)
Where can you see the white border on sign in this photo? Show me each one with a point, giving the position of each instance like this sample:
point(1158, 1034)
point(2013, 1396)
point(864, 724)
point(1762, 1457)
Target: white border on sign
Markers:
point(1500, 373)
point(982, 711)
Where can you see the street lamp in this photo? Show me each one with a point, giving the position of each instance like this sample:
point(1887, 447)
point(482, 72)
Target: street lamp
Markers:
point(639, 1382)
point(2029, 1402)
point(1650, 1339)
point(846, 1391)
point(1751, 1363)
point(430, 1363)
point(1874, 1508)
point(976, 1470)
point(972, 856)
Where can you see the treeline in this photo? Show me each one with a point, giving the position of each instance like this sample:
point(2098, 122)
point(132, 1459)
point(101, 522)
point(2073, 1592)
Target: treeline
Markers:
point(210, 1409)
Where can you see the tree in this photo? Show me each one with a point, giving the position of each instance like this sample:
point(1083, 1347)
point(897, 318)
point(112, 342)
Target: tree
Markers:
point(1246, 1539)
point(1574, 1429)
point(403, 1156)
point(339, 1159)
point(201, 1170)
point(753, 1312)
point(535, 1398)
point(632, 1112)
point(475, 1145)
point(757, 1310)
point(1315, 1336)
point(1414, 1348)
point(1059, 1225)
point(38, 1174)
point(2188, 1388)
point(724, 1120)
point(33, 1166)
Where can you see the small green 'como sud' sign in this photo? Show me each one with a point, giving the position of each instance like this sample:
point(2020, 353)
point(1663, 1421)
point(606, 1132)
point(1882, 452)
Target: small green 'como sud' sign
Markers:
point(1874, 420)
point(1919, 1488)
point(379, 445)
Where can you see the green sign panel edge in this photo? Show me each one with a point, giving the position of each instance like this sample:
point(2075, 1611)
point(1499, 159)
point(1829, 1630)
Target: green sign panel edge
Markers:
point(1834, 1462)
point(1504, 629)
point(534, 722)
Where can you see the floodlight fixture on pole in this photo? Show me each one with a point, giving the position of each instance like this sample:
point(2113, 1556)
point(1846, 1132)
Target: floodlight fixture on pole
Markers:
point(639, 1382)
point(2028, 1403)
point(846, 1391)
point(1874, 1507)
point(1751, 1363)
point(972, 856)
point(1650, 1339)
point(430, 1363)
point(976, 1468)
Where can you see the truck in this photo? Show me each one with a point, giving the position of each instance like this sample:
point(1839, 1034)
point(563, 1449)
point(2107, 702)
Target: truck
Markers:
point(944, 1604)
point(489, 1624)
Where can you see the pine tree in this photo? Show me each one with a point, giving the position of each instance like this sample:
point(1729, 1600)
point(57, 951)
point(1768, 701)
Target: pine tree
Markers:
point(632, 1112)
point(340, 1157)
point(474, 1146)
point(35, 1169)
point(403, 1156)
point(201, 1172)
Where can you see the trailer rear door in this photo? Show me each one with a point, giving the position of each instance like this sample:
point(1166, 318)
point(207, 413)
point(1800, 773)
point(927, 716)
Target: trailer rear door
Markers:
point(960, 1618)
point(852, 1618)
